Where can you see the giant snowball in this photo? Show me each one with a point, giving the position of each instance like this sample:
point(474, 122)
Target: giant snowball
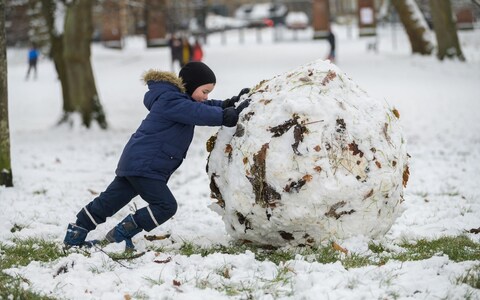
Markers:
point(313, 158)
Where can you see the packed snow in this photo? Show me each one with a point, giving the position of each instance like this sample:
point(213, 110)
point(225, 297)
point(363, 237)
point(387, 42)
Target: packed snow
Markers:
point(57, 170)
point(313, 158)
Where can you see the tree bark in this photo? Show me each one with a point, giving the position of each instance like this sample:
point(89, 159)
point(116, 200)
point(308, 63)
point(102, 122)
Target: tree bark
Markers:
point(76, 52)
point(6, 177)
point(445, 30)
point(56, 53)
point(70, 52)
point(416, 30)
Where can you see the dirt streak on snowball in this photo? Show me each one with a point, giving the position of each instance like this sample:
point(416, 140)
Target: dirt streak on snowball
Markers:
point(313, 158)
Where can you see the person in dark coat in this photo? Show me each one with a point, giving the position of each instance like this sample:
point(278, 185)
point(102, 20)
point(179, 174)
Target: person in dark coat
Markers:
point(331, 42)
point(176, 105)
point(176, 47)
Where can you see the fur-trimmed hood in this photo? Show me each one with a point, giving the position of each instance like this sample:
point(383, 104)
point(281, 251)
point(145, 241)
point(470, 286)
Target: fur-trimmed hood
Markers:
point(160, 143)
point(170, 77)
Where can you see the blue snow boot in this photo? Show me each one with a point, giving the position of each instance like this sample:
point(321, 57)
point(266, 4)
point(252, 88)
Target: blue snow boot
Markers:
point(124, 231)
point(76, 236)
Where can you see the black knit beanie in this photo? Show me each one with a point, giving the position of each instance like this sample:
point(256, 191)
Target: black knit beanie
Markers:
point(195, 74)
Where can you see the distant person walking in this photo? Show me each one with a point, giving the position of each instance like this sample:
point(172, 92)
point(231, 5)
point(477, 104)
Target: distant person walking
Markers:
point(32, 61)
point(186, 52)
point(331, 42)
point(197, 50)
point(175, 44)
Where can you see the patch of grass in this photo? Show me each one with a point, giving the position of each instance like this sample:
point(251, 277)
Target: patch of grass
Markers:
point(245, 289)
point(322, 254)
point(11, 288)
point(283, 275)
point(125, 255)
point(189, 249)
point(470, 295)
point(377, 248)
point(471, 277)
point(458, 248)
point(274, 255)
point(325, 254)
point(281, 285)
point(156, 248)
point(21, 254)
point(25, 251)
point(355, 260)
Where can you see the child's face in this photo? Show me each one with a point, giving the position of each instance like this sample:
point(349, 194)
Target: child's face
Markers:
point(201, 93)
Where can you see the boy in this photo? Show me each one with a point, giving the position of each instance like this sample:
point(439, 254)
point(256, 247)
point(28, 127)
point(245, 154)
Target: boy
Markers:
point(155, 151)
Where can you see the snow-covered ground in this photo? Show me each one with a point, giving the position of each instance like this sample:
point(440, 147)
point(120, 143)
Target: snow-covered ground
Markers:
point(58, 170)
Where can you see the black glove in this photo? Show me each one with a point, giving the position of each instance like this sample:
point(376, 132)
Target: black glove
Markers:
point(243, 92)
point(230, 114)
point(230, 117)
point(243, 105)
point(231, 102)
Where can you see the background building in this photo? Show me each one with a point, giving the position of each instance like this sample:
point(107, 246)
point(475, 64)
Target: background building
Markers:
point(156, 19)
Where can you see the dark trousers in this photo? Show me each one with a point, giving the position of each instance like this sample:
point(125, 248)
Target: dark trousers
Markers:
point(161, 203)
point(32, 65)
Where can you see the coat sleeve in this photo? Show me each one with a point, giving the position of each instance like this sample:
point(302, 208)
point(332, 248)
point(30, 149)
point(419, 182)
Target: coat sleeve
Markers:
point(213, 102)
point(184, 110)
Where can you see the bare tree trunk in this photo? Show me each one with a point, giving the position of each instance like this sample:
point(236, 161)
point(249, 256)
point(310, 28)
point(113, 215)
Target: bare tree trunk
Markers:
point(56, 53)
point(6, 177)
point(411, 17)
point(70, 52)
point(445, 30)
point(76, 52)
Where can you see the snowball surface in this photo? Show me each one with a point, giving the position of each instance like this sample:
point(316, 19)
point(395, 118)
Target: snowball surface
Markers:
point(313, 158)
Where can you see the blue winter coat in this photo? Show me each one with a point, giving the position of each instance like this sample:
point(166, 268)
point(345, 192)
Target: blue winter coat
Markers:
point(160, 144)
point(33, 54)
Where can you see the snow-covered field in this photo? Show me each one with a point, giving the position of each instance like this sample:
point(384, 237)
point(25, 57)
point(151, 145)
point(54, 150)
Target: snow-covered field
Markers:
point(57, 170)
